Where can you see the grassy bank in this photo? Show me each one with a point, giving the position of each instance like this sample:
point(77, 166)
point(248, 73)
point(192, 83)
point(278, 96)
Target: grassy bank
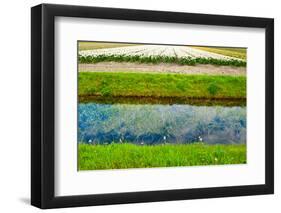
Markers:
point(122, 156)
point(160, 59)
point(120, 85)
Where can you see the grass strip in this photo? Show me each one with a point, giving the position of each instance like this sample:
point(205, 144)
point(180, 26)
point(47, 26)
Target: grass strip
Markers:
point(89, 45)
point(123, 156)
point(232, 52)
point(160, 59)
point(143, 85)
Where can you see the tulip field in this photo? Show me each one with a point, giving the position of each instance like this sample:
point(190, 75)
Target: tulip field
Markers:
point(183, 55)
point(145, 71)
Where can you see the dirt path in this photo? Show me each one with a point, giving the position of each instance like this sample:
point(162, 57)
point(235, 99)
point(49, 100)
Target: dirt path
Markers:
point(162, 68)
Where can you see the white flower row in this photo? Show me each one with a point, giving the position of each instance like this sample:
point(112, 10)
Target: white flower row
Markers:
point(156, 50)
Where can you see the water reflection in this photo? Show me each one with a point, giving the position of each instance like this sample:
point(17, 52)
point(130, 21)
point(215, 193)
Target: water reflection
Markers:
point(156, 124)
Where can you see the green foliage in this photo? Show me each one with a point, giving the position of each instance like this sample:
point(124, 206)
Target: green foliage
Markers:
point(122, 156)
point(213, 88)
point(160, 59)
point(161, 85)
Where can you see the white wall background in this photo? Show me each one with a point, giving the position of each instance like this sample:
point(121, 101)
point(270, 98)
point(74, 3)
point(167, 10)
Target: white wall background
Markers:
point(15, 106)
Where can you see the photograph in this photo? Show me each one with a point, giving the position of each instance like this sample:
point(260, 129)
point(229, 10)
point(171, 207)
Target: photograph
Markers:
point(160, 105)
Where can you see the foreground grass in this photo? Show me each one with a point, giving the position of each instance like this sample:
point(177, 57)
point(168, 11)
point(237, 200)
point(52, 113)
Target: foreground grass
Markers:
point(122, 156)
point(161, 85)
point(232, 52)
point(160, 59)
point(88, 45)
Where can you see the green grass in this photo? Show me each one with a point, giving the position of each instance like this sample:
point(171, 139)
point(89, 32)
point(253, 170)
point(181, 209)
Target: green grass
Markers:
point(161, 85)
point(160, 59)
point(122, 156)
point(232, 52)
point(88, 45)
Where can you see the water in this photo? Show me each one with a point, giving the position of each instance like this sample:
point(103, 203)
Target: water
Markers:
point(157, 124)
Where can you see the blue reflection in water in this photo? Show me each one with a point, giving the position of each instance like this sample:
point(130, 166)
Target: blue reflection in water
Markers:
point(155, 124)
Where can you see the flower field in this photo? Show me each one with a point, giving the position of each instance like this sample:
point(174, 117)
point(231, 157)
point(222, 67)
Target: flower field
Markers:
point(183, 55)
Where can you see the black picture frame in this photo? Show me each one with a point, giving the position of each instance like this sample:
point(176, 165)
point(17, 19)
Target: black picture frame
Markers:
point(43, 102)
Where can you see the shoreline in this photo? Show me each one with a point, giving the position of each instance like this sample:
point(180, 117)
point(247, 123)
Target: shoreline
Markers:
point(162, 100)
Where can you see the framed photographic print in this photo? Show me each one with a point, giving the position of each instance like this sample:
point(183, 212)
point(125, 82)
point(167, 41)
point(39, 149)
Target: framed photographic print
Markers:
point(139, 106)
